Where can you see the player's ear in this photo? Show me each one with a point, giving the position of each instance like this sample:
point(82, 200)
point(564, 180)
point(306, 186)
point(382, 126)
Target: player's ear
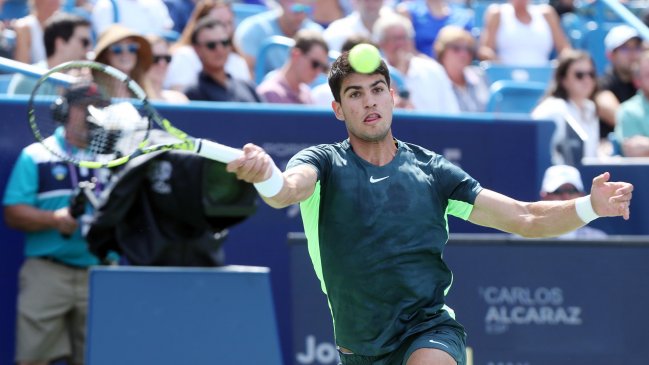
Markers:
point(338, 110)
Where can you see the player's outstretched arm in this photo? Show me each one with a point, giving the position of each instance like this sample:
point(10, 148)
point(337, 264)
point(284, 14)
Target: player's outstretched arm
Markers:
point(552, 218)
point(257, 167)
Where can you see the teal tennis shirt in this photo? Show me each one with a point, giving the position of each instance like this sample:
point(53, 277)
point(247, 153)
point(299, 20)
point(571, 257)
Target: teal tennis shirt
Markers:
point(376, 237)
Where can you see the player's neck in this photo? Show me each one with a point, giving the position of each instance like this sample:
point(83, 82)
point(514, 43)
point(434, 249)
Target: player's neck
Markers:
point(379, 153)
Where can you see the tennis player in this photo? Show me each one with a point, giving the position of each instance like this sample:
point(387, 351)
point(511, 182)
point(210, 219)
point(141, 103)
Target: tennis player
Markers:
point(375, 211)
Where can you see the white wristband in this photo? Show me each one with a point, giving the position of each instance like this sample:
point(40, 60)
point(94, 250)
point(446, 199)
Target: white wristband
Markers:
point(272, 186)
point(585, 209)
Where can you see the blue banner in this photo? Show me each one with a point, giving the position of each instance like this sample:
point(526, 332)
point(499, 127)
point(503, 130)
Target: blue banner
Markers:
point(522, 302)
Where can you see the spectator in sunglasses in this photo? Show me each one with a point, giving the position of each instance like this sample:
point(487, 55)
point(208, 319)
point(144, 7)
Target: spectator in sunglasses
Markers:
point(563, 182)
point(286, 20)
point(66, 38)
point(569, 99)
point(307, 60)
point(186, 65)
point(455, 48)
point(127, 51)
point(158, 71)
point(213, 45)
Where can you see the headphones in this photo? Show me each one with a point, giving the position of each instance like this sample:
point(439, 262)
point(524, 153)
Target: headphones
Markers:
point(60, 109)
point(77, 95)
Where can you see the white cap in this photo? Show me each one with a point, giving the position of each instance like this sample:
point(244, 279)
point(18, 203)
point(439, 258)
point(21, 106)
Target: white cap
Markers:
point(619, 35)
point(557, 175)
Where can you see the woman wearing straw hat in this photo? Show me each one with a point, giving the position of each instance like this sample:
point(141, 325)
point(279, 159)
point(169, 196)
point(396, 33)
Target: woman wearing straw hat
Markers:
point(127, 51)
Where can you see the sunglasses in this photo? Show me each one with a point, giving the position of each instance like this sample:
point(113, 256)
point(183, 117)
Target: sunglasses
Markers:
point(315, 64)
point(562, 191)
point(158, 58)
point(124, 48)
point(211, 45)
point(301, 8)
point(581, 74)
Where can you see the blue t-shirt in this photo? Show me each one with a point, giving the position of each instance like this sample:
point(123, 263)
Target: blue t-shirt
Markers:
point(426, 26)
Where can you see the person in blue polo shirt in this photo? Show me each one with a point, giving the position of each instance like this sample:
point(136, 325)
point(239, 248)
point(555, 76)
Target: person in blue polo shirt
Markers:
point(53, 292)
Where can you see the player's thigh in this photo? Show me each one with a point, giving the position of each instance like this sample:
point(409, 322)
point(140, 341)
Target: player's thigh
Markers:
point(442, 345)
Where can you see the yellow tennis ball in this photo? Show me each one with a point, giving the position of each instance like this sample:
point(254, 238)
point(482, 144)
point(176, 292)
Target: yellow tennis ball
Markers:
point(364, 58)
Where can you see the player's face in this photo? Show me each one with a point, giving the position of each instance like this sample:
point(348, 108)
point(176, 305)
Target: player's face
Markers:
point(366, 105)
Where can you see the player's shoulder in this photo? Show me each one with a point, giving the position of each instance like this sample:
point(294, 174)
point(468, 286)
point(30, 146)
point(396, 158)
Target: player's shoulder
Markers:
point(419, 152)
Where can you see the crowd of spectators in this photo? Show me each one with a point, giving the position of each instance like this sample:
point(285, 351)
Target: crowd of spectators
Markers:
point(436, 50)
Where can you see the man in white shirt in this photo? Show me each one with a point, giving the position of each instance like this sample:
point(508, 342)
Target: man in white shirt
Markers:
point(141, 16)
point(430, 88)
point(358, 23)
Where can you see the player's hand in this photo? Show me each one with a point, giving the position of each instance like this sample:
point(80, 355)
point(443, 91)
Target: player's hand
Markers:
point(611, 198)
point(254, 166)
point(64, 222)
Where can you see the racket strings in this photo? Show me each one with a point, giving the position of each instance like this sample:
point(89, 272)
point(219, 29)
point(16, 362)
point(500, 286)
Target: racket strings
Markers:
point(98, 113)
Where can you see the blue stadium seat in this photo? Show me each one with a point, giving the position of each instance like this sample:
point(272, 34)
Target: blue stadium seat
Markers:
point(616, 144)
point(244, 10)
point(575, 27)
point(14, 9)
point(5, 79)
point(496, 72)
point(514, 96)
point(274, 47)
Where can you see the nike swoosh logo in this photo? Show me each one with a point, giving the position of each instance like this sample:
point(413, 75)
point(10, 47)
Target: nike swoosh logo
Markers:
point(437, 342)
point(373, 180)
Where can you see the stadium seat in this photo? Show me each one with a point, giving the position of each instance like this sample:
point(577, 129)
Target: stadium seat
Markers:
point(244, 10)
point(508, 96)
point(574, 26)
point(616, 144)
point(273, 47)
point(14, 9)
point(496, 72)
point(5, 79)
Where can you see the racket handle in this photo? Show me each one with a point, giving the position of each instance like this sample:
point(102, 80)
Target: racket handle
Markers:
point(225, 154)
point(216, 151)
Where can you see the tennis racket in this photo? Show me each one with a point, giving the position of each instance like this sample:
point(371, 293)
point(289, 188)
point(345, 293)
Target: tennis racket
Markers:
point(95, 116)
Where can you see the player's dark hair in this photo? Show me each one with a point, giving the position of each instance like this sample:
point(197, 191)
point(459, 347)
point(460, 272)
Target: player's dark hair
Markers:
point(60, 25)
point(341, 69)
